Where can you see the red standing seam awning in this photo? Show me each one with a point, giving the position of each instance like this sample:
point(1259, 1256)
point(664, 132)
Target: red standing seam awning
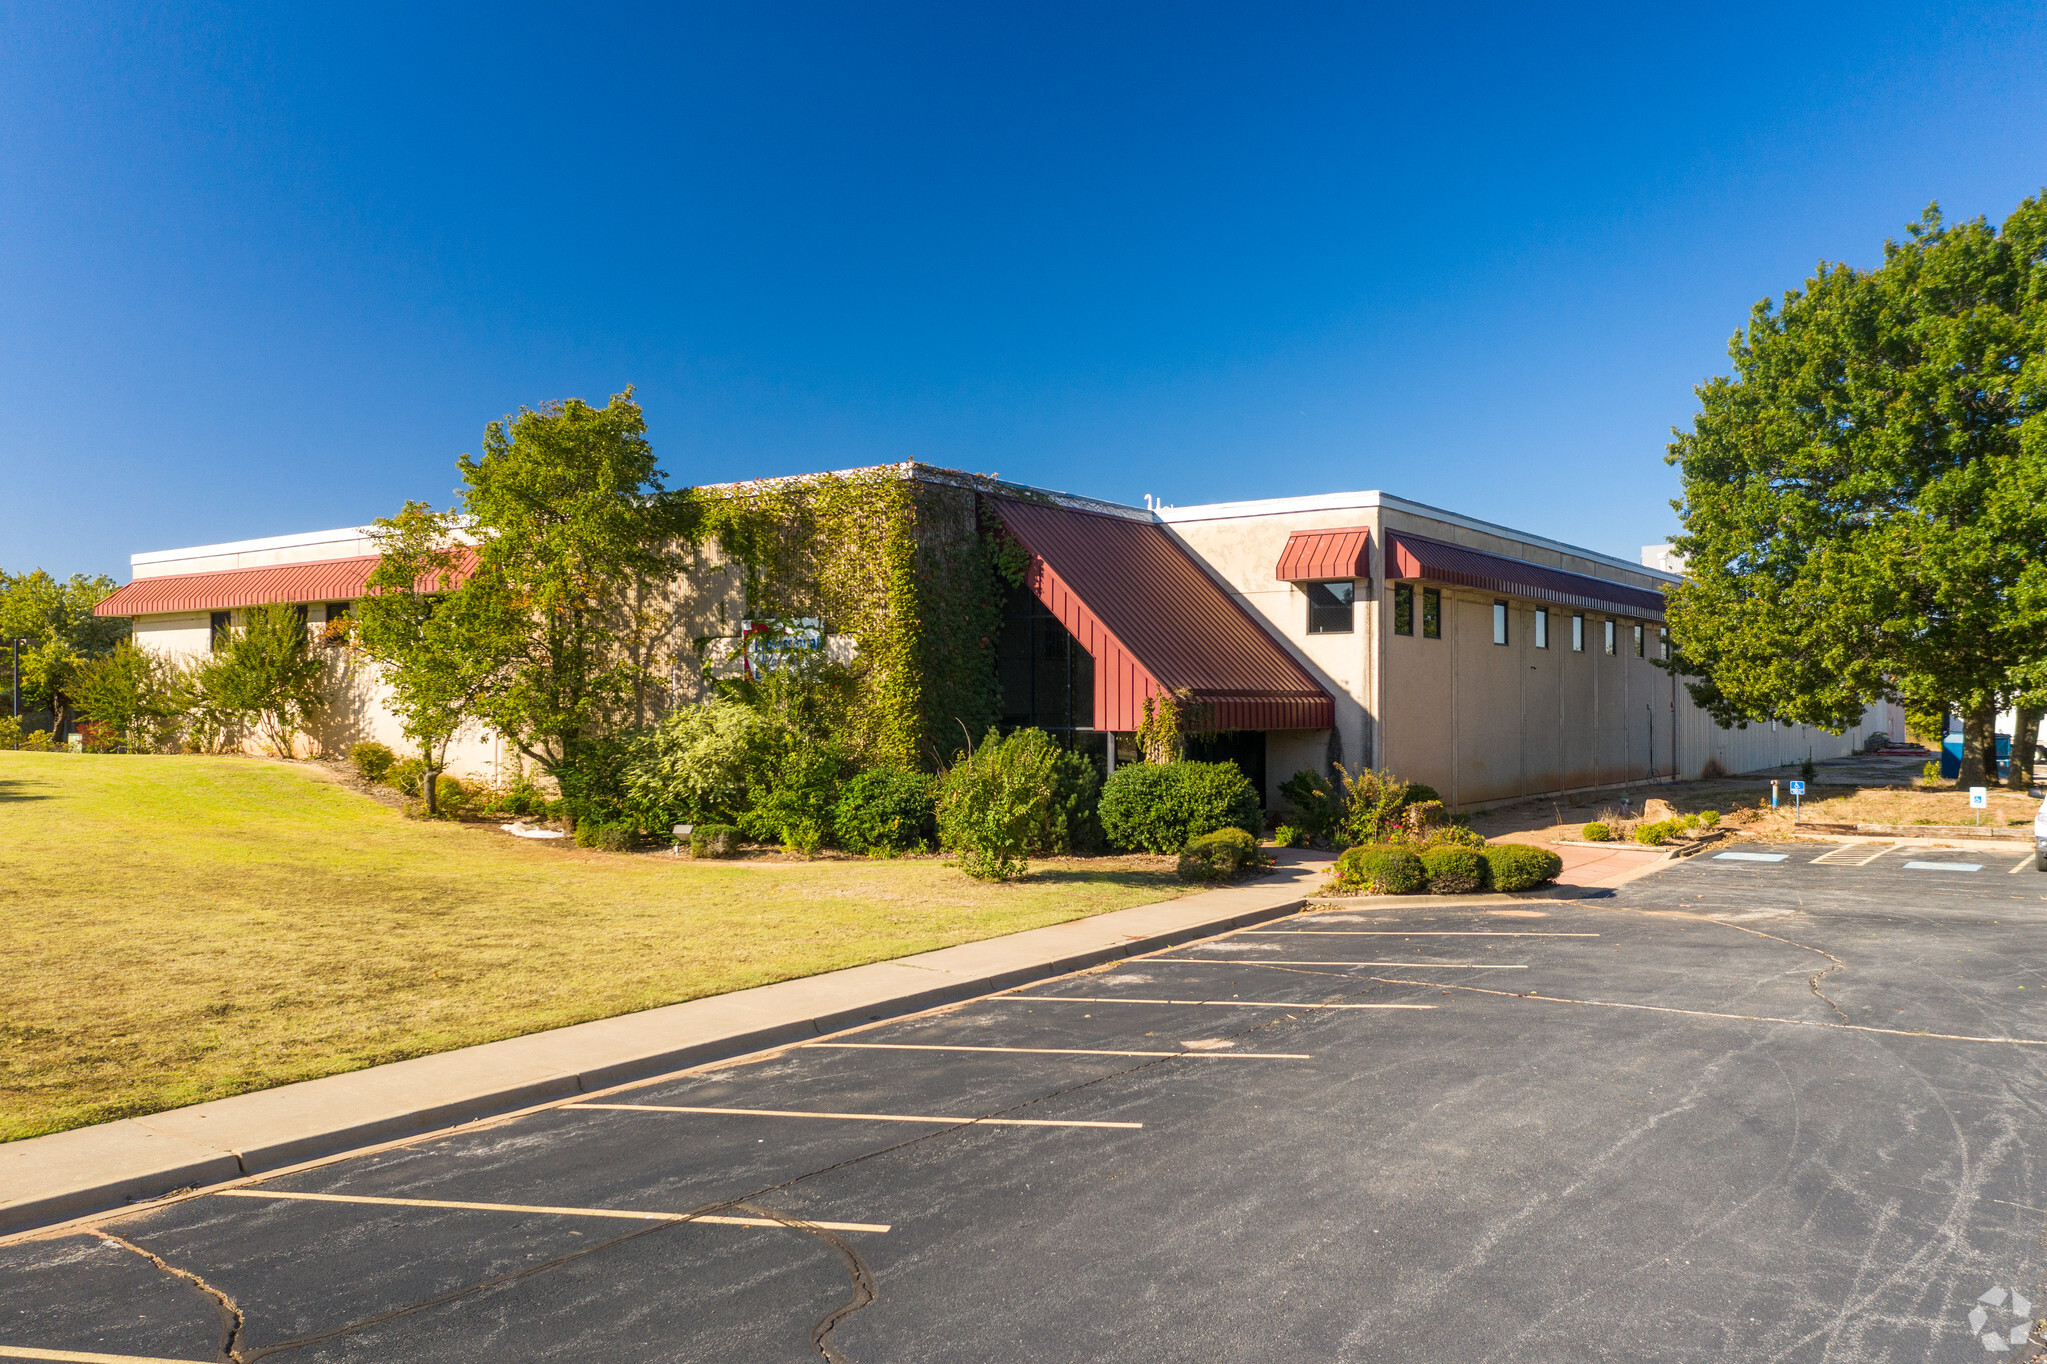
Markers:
point(1154, 621)
point(1320, 555)
point(226, 588)
point(1417, 556)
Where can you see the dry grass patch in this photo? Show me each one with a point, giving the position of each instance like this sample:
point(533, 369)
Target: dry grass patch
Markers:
point(179, 929)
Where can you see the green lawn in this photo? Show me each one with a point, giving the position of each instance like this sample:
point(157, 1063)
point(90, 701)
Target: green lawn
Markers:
point(176, 929)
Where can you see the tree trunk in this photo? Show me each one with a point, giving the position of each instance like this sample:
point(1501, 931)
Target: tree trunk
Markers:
point(428, 780)
point(2025, 734)
point(1979, 735)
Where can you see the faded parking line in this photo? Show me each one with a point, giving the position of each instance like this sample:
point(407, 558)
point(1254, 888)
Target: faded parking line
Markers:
point(623, 1214)
point(87, 1356)
point(1063, 1051)
point(1208, 1003)
point(1274, 961)
point(856, 1117)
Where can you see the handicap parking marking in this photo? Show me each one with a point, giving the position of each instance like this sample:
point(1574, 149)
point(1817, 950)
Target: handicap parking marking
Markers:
point(1943, 866)
point(623, 1214)
point(1749, 857)
point(1845, 855)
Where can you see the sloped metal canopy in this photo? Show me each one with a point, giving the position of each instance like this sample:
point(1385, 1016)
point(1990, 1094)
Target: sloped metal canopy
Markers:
point(1154, 621)
point(1417, 556)
point(226, 588)
point(1321, 555)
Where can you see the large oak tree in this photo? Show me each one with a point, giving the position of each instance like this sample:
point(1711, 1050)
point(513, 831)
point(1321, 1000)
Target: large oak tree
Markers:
point(1865, 498)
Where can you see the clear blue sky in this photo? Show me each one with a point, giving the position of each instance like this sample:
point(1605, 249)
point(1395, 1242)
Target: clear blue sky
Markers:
point(269, 270)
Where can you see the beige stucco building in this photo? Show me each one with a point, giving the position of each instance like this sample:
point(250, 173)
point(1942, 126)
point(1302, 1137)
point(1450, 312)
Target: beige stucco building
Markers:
point(1359, 628)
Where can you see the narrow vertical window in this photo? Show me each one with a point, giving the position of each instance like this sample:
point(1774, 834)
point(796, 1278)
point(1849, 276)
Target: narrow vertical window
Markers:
point(1499, 622)
point(1638, 641)
point(1432, 613)
point(1578, 634)
point(1330, 608)
point(1610, 636)
point(1541, 628)
point(1403, 608)
point(223, 621)
point(1663, 644)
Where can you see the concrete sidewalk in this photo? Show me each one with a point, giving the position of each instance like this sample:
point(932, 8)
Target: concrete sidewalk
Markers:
point(92, 1169)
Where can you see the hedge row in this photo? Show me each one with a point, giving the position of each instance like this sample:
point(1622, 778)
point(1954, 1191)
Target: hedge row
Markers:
point(1443, 869)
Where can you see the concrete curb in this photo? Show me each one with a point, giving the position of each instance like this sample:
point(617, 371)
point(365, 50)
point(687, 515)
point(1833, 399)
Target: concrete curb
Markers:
point(96, 1169)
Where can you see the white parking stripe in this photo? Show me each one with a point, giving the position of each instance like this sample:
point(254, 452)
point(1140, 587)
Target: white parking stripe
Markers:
point(2024, 862)
point(1943, 866)
point(1886, 848)
point(718, 1219)
point(1750, 857)
point(1400, 933)
point(1064, 1051)
point(1270, 961)
point(1215, 1003)
point(86, 1356)
point(856, 1117)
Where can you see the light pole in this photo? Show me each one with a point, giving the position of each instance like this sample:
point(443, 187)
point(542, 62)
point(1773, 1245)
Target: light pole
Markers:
point(15, 676)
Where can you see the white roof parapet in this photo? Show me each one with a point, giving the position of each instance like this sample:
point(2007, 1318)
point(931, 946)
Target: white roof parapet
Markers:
point(1361, 501)
point(302, 540)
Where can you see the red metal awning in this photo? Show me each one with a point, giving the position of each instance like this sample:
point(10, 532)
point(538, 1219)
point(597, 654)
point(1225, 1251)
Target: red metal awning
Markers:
point(227, 588)
point(1320, 555)
point(1417, 556)
point(1154, 621)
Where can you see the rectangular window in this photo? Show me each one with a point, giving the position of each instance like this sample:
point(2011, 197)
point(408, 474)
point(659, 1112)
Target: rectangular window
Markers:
point(1638, 641)
point(1663, 644)
point(1432, 613)
point(1499, 622)
point(1403, 608)
point(1331, 608)
point(1541, 629)
point(336, 610)
point(1610, 636)
point(1577, 634)
point(223, 621)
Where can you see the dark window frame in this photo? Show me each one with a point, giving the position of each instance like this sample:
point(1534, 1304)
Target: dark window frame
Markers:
point(1639, 633)
point(1403, 608)
point(1432, 613)
point(219, 625)
point(1578, 632)
point(1613, 637)
point(1331, 611)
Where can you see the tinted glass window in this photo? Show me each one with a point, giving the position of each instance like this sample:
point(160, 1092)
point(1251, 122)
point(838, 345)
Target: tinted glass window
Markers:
point(1432, 613)
point(223, 621)
point(1047, 679)
point(1638, 641)
point(1499, 622)
point(1609, 637)
point(1541, 629)
point(1578, 634)
point(1329, 608)
point(1403, 608)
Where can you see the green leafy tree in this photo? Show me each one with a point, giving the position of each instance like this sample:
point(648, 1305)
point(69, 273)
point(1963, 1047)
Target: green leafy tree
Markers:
point(578, 545)
point(1865, 498)
point(136, 693)
point(59, 633)
point(436, 644)
point(263, 676)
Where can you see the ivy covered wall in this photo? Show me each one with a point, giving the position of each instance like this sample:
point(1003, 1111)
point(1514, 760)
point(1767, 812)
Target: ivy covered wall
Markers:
point(894, 560)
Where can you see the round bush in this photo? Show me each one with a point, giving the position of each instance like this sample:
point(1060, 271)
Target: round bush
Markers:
point(1287, 836)
point(1455, 870)
point(1596, 832)
point(450, 795)
point(1709, 819)
point(614, 837)
point(1654, 833)
point(1217, 856)
point(885, 812)
point(372, 760)
point(1457, 835)
point(1418, 792)
point(1516, 866)
point(714, 840)
point(1380, 869)
point(1160, 807)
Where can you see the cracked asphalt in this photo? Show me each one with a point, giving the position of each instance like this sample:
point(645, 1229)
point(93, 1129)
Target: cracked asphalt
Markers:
point(1738, 1110)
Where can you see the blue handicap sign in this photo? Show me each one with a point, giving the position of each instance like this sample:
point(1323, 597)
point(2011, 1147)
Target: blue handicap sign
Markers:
point(1798, 788)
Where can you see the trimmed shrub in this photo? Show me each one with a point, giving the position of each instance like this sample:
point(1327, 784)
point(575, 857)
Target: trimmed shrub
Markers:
point(1455, 836)
point(1421, 791)
point(1709, 819)
point(1217, 856)
point(1161, 807)
point(1655, 833)
point(886, 812)
point(1073, 821)
point(714, 840)
point(1596, 832)
point(405, 775)
point(1455, 870)
point(616, 836)
point(372, 760)
point(1380, 869)
point(450, 795)
point(1516, 866)
point(39, 741)
point(996, 803)
point(1287, 836)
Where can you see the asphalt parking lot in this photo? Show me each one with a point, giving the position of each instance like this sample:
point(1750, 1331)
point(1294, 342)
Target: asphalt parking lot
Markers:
point(1743, 1109)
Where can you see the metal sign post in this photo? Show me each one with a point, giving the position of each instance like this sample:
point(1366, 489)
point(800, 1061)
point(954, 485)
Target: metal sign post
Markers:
point(1979, 797)
point(1797, 799)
